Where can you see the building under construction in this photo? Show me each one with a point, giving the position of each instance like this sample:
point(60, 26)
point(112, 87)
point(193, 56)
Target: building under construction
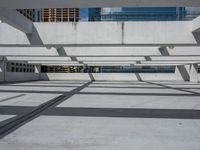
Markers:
point(59, 15)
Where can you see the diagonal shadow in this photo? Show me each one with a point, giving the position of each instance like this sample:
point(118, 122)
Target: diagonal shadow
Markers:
point(138, 77)
point(179, 89)
point(18, 85)
point(6, 99)
point(163, 51)
point(61, 51)
point(91, 76)
point(34, 37)
point(24, 119)
point(184, 73)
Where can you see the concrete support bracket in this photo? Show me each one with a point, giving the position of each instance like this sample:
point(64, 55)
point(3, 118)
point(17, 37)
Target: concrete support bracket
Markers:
point(182, 73)
point(194, 73)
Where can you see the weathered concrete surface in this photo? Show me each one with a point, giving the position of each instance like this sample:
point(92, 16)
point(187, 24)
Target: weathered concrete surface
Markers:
point(109, 33)
point(5, 117)
point(103, 51)
point(89, 133)
point(94, 118)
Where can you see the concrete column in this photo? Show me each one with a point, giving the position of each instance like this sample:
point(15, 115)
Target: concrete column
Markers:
point(182, 73)
point(2, 70)
point(37, 69)
point(194, 73)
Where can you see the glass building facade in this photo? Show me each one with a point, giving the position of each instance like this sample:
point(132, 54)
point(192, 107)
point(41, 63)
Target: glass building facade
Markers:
point(192, 12)
point(137, 14)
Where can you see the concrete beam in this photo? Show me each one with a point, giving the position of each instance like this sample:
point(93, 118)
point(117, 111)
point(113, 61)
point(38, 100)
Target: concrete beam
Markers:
point(62, 64)
point(91, 53)
point(27, 4)
point(157, 64)
point(104, 59)
point(175, 58)
point(111, 62)
point(170, 61)
point(153, 59)
point(107, 64)
point(52, 62)
point(16, 20)
point(28, 51)
point(85, 34)
point(38, 58)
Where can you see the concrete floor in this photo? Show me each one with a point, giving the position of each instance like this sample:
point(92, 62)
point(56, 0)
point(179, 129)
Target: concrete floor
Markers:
point(102, 116)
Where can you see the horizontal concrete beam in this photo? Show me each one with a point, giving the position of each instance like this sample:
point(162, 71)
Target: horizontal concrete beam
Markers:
point(102, 63)
point(116, 63)
point(62, 64)
point(170, 61)
point(28, 51)
point(85, 34)
point(107, 64)
point(27, 4)
point(156, 64)
point(175, 58)
point(126, 64)
point(38, 58)
point(53, 62)
point(156, 59)
point(90, 53)
point(16, 20)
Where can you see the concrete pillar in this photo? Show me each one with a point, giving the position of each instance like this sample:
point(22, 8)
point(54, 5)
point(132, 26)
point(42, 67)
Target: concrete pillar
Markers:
point(194, 73)
point(2, 70)
point(182, 73)
point(37, 69)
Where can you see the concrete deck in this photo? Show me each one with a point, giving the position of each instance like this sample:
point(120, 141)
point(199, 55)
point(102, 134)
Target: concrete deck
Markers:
point(101, 115)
